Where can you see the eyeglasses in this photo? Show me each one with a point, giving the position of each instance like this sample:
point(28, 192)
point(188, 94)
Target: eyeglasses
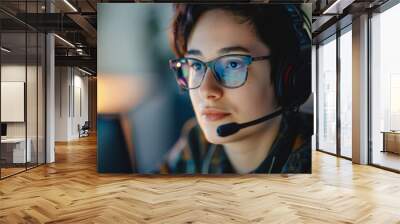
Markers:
point(230, 71)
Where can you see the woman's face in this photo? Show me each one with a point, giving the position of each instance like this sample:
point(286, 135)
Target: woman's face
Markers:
point(217, 33)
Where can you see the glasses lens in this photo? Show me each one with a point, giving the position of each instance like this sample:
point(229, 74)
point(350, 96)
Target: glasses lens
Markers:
point(231, 71)
point(195, 70)
point(189, 72)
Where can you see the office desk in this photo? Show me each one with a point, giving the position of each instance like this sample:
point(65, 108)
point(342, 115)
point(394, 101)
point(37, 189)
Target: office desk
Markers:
point(16, 148)
point(391, 141)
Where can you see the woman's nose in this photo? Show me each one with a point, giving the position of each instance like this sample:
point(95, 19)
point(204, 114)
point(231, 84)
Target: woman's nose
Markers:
point(209, 88)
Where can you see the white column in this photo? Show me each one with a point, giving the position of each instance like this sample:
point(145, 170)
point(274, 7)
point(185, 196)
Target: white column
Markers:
point(50, 110)
point(50, 92)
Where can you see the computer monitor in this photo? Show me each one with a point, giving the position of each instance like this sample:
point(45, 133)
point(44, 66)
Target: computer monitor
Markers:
point(3, 129)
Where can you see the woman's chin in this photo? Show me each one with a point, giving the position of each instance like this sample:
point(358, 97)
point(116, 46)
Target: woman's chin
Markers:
point(215, 139)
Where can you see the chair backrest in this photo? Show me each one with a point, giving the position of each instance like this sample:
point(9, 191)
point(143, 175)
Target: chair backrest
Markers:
point(86, 125)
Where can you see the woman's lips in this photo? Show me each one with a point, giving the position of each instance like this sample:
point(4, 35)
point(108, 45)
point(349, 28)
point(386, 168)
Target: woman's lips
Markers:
point(214, 114)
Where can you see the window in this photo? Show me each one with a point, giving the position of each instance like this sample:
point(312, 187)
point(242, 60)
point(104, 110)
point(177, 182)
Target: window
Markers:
point(327, 96)
point(346, 93)
point(385, 88)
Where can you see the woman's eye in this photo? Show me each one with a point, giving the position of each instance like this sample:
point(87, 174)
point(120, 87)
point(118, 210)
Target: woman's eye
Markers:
point(196, 66)
point(233, 65)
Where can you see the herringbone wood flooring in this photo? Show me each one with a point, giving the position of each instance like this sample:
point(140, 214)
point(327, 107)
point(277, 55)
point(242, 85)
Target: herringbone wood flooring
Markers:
point(71, 191)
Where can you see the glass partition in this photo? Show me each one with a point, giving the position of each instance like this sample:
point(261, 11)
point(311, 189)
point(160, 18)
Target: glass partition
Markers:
point(23, 91)
point(13, 108)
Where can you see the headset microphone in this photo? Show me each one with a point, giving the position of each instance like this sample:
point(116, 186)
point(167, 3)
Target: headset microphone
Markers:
point(231, 128)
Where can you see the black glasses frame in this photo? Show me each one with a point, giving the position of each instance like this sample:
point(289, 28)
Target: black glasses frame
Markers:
point(174, 65)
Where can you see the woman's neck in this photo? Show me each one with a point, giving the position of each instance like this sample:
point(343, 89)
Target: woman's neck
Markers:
point(247, 154)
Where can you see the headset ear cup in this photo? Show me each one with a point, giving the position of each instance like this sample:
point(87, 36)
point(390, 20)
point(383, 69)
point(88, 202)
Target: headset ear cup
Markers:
point(293, 82)
point(279, 85)
point(304, 77)
point(286, 85)
point(299, 84)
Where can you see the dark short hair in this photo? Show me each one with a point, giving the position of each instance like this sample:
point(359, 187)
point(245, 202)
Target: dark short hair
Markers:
point(271, 23)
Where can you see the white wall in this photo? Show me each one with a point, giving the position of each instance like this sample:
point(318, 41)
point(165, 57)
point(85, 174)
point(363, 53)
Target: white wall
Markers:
point(12, 73)
point(81, 100)
point(33, 126)
point(61, 103)
point(71, 93)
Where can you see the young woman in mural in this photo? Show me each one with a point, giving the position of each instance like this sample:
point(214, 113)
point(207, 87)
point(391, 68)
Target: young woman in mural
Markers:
point(247, 69)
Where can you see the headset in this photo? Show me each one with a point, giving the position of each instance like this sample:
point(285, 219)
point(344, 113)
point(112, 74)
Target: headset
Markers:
point(293, 74)
point(293, 78)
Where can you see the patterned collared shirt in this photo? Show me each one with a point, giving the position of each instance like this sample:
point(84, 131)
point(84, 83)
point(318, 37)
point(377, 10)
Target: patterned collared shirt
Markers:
point(289, 153)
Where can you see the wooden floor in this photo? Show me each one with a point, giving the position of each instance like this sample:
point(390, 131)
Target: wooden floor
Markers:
point(71, 191)
point(387, 159)
point(10, 171)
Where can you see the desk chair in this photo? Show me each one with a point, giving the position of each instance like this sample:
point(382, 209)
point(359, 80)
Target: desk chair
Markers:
point(84, 130)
